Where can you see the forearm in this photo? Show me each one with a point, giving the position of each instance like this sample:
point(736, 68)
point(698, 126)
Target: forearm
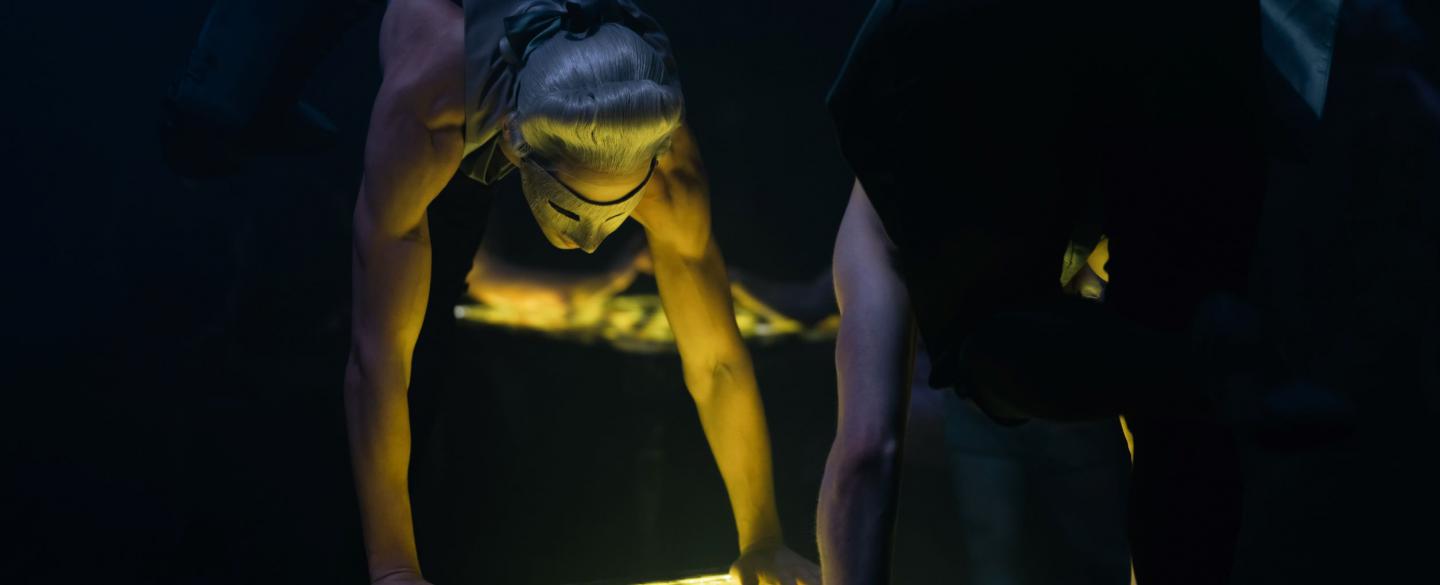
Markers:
point(695, 292)
point(378, 424)
point(857, 512)
point(733, 417)
point(860, 488)
point(413, 146)
point(873, 358)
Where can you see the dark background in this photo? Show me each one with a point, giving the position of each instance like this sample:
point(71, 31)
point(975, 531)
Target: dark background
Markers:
point(172, 405)
point(179, 346)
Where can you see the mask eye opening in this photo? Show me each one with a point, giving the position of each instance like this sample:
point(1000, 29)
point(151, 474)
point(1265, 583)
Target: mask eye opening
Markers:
point(565, 212)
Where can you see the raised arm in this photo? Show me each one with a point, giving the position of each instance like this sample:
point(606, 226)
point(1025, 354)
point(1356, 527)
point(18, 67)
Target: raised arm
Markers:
point(695, 292)
point(412, 150)
point(873, 360)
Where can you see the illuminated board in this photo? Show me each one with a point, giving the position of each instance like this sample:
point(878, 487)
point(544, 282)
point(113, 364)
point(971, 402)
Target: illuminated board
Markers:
point(702, 580)
point(637, 323)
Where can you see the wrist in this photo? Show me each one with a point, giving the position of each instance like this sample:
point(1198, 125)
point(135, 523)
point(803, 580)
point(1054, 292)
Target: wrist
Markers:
point(393, 562)
point(381, 576)
point(768, 537)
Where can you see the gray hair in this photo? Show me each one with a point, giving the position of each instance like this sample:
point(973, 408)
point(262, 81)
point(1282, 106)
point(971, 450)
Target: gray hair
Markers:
point(605, 102)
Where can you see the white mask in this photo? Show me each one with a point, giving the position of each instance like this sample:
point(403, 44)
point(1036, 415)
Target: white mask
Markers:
point(558, 207)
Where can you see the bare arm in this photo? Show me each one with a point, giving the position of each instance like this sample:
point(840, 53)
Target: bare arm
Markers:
point(412, 150)
point(873, 360)
point(695, 292)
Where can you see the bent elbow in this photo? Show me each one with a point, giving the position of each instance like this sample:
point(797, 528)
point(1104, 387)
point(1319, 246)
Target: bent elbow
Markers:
point(705, 381)
point(716, 372)
point(374, 367)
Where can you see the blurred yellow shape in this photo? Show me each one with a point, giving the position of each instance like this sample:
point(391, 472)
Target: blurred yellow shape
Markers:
point(637, 323)
point(1098, 257)
point(1129, 439)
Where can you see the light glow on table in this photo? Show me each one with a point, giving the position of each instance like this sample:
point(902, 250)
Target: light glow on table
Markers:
point(637, 323)
point(722, 579)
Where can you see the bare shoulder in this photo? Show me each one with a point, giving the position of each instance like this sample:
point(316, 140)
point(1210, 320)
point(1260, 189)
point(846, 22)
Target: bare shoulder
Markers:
point(422, 57)
point(682, 164)
point(414, 142)
point(676, 209)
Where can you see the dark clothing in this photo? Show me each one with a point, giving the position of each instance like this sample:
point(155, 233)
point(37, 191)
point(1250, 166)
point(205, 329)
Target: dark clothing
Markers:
point(1042, 503)
point(1349, 266)
point(981, 129)
point(459, 214)
point(458, 218)
point(489, 87)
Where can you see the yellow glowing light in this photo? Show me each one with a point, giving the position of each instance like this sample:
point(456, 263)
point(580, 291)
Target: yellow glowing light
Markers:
point(1098, 257)
point(705, 580)
point(1129, 439)
point(637, 323)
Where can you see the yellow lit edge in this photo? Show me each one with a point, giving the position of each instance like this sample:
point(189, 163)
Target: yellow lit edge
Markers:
point(702, 580)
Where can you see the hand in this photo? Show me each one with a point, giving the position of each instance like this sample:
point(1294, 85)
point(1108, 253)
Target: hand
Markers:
point(774, 566)
point(400, 578)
